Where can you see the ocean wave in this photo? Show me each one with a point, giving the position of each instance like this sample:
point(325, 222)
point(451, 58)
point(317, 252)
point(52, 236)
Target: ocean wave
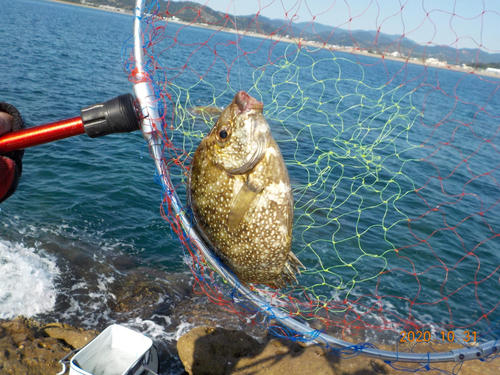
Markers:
point(27, 281)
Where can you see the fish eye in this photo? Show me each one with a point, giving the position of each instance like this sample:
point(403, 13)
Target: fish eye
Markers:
point(224, 133)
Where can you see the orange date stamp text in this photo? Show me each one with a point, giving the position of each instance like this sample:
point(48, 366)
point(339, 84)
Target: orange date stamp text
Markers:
point(443, 336)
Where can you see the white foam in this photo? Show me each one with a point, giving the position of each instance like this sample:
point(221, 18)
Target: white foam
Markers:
point(182, 329)
point(154, 330)
point(27, 281)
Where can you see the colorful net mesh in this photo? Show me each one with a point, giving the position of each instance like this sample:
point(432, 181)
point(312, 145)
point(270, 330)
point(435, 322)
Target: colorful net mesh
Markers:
point(393, 155)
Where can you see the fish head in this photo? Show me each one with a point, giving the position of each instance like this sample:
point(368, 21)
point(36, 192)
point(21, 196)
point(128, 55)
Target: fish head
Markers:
point(240, 136)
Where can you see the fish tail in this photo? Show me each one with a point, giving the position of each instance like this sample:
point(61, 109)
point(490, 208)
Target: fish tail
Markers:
point(288, 274)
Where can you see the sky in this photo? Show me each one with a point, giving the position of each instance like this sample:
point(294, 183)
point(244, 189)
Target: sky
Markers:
point(462, 23)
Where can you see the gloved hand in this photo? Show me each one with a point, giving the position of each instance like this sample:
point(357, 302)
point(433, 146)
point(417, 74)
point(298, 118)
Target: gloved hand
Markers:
point(10, 163)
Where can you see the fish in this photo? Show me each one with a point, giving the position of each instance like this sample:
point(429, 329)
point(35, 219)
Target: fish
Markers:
point(241, 198)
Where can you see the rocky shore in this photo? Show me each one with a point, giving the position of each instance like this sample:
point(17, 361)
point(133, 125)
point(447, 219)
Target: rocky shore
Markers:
point(28, 347)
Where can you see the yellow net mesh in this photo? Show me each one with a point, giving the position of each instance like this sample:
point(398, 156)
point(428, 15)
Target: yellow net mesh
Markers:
point(393, 155)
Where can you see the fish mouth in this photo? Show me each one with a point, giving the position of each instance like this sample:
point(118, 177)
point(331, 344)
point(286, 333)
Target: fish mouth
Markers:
point(246, 103)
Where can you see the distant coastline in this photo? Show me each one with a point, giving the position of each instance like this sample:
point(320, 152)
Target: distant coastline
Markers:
point(433, 63)
point(121, 11)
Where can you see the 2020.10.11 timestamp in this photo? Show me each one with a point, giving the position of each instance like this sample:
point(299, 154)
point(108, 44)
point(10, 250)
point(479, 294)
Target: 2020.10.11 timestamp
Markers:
point(443, 336)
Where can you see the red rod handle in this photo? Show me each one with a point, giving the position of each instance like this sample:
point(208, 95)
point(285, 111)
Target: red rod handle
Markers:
point(118, 115)
point(41, 134)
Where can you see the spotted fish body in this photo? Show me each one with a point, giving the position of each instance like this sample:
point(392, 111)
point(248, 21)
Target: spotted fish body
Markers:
point(241, 196)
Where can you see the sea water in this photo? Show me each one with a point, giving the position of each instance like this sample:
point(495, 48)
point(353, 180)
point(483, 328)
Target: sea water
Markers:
point(85, 223)
point(84, 229)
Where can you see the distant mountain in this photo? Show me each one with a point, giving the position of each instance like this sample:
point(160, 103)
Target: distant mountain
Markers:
point(189, 11)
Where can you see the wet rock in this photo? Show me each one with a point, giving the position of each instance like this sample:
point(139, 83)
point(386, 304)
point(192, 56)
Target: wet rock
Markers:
point(137, 295)
point(75, 338)
point(287, 357)
point(24, 350)
point(206, 350)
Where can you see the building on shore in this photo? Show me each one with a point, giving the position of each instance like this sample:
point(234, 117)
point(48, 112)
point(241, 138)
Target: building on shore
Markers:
point(493, 70)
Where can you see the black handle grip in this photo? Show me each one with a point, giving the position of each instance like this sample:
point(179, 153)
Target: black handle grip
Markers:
point(118, 115)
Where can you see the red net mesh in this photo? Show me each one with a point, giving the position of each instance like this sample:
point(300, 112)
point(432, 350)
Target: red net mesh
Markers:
point(387, 115)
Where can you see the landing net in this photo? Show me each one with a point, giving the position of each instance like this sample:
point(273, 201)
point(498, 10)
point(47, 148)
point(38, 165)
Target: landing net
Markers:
point(391, 138)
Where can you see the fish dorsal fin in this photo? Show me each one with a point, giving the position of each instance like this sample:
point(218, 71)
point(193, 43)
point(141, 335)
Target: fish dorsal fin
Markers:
point(241, 203)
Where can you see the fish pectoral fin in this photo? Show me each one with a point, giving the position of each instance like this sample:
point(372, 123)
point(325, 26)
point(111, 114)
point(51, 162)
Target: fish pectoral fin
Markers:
point(241, 203)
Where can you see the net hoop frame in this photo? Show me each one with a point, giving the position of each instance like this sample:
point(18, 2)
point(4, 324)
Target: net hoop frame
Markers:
point(151, 126)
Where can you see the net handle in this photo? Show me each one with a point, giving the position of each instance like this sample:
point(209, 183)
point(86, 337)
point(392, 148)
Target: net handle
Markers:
point(151, 127)
point(117, 115)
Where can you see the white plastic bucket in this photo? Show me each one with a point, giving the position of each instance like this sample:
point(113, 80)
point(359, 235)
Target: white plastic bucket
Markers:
point(116, 351)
